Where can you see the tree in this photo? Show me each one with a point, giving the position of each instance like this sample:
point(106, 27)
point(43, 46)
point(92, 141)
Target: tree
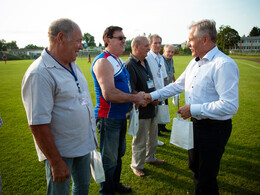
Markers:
point(227, 38)
point(3, 45)
point(31, 46)
point(12, 45)
point(89, 39)
point(254, 32)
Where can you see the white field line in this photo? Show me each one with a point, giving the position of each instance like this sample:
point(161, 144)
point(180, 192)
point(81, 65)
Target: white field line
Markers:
point(248, 64)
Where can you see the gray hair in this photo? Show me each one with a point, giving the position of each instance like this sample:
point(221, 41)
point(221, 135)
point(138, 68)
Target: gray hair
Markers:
point(61, 25)
point(168, 45)
point(137, 41)
point(153, 36)
point(205, 27)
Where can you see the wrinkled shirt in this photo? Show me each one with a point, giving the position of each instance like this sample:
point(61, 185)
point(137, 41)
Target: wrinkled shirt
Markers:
point(50, 96)
point(210, 84)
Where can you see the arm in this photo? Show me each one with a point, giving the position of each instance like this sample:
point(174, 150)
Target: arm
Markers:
point(43, 137)
point(173, 78)
point(105, 76)
point(170, 90)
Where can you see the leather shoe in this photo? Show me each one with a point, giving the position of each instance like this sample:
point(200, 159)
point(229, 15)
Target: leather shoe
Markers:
point(157, 162)
point(120, 188)
point(160, 143)
point(138, 172)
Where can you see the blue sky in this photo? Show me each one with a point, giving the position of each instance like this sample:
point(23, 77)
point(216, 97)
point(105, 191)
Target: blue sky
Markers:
point(27, 21)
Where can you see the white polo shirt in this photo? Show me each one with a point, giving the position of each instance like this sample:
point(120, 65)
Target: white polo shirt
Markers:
point(50, 96)
point(156, 64)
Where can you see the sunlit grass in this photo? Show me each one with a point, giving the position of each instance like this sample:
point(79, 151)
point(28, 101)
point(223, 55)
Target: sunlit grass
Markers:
point(240, 167)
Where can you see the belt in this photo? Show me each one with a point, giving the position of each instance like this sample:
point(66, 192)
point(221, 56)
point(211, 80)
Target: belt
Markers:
point(209, 121)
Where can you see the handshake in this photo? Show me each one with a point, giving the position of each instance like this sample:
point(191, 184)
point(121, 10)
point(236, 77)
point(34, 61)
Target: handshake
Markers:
point(142, 99)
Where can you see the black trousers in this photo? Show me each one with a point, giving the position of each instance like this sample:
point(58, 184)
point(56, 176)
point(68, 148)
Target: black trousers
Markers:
point(210, 138)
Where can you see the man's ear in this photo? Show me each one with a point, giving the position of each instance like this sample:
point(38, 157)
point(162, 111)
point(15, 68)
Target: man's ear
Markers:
point(61, 37)
point(205, 39)
point(107, 40)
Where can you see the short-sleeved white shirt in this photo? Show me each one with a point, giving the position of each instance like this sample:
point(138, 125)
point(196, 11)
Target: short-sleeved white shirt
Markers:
point(50, 96)
point(159, 72)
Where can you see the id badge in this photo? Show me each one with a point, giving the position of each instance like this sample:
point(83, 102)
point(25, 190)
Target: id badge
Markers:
point(83, 98)
point(150, 84)
point(129, 87)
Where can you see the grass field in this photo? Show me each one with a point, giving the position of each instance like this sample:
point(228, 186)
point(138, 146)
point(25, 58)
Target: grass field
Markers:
point(21, 172)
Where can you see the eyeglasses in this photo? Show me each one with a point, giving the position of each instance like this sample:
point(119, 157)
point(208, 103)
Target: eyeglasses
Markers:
point(119, 38)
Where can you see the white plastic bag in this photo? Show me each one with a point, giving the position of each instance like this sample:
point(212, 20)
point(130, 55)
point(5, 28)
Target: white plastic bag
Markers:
point(162, 115)
point(133, 121)
point(96, 167)
point(182, 133)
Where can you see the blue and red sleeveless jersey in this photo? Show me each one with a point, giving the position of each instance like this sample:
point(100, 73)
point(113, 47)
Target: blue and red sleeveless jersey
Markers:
point(105, 108)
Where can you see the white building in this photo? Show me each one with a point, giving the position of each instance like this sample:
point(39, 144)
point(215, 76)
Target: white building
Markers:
point(247, 45)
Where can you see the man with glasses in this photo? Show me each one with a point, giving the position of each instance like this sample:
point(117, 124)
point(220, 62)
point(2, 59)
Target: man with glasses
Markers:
point(113, 99)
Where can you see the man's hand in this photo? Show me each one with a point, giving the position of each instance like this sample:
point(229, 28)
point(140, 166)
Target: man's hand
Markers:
point(185, 111)
point(60, 171)
point(148, 98)
point(140, 99)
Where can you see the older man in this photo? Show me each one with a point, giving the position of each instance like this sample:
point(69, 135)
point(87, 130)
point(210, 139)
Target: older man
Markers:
point(145, 142)
point(168, 52)
point(113, 95)
point(156, 63)
point(211, 95)
point(59, 110)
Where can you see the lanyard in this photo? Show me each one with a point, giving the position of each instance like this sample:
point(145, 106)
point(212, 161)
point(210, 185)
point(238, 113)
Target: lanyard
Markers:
point(74, 75)
point(158, 62)
point(71, 72)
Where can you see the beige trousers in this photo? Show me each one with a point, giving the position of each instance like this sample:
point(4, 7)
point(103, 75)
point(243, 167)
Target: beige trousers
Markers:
point(144, 144)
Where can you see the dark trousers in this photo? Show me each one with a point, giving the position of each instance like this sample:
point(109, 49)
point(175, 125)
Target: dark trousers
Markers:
point(112, 149)
point(210, 138)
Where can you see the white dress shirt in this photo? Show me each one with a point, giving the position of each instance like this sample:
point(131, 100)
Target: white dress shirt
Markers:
point(210, 84)
point(156, 64)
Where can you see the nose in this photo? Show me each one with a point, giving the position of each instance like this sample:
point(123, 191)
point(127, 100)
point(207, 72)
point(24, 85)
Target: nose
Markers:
point(188, 44)
point(81, 46)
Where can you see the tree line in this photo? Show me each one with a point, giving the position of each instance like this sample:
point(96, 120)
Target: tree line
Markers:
point(227, 38)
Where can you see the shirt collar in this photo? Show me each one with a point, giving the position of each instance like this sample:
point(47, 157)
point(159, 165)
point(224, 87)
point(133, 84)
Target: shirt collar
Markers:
point(154, 55)
point(137, 60)
point(50, 60)
point(210, 55)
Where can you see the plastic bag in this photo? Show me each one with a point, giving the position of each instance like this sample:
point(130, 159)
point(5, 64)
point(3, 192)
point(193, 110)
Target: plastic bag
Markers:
point(133, 121)
point(96, 167)
point(182, 133)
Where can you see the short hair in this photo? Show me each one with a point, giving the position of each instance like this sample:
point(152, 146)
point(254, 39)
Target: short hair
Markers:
point(137, 41)
point(205, 27)
point(108, 33)
point(153, 36)
point(61, 25)
point(168, 45)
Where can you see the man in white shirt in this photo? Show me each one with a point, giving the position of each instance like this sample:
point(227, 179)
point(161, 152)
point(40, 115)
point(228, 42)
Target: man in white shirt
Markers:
point(210, 82)
point(157, 66)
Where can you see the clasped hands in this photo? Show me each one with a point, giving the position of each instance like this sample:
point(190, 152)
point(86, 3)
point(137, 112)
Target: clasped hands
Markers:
point(146, 98)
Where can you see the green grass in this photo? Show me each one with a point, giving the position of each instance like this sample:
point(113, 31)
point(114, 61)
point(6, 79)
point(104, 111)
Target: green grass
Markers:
point(240, 166)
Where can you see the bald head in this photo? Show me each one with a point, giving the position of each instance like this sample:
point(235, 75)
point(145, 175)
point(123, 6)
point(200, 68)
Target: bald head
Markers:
point(140, 47)
point(63, 25)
